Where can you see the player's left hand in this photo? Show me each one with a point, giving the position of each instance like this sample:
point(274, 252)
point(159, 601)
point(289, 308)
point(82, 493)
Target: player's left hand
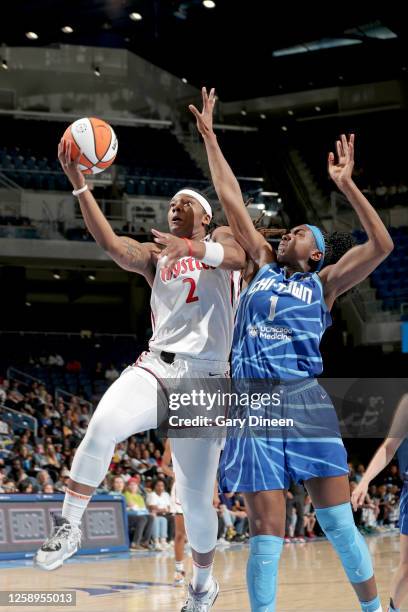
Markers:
point(341, 172)
point(359, 494)
point(175, 248)
point(205, 118)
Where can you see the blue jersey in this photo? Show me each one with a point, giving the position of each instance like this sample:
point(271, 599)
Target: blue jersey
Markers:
point(279, 324)
point(402, 455)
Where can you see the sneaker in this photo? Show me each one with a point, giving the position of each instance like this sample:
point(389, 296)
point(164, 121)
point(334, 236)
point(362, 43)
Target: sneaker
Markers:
point(201, 602)
point(231, 533)
point(179, 579)
point(299, 540)
point(287, 540)
point(157, 546)
point(62, 544)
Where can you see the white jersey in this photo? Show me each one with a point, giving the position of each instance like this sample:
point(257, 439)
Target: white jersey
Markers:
point(193, 307)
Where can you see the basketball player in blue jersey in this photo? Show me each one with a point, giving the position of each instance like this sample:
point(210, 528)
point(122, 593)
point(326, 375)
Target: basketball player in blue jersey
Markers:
point(396, 442)
point(282, 315)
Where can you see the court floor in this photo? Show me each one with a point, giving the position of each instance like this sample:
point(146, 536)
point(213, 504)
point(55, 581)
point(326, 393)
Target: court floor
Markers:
point(310, 578)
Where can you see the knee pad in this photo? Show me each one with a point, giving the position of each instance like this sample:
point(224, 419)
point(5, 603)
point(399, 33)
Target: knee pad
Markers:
point(338, 524)
point(93, 456)
point(262, 571)
point(200, 519)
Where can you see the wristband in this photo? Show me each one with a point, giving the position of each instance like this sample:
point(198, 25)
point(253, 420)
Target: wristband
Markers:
point(77, 192)
point(190, 246)
point(214, 254)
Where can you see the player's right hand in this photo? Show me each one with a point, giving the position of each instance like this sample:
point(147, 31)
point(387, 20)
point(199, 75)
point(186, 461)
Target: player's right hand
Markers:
point(70, 166)
point(359, 494)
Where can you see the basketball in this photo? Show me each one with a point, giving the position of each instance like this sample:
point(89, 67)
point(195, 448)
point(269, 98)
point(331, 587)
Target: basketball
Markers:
point(97, 141)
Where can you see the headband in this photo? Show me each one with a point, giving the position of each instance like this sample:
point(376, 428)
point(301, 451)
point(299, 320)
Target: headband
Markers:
point(204, 203)
point(319, 239)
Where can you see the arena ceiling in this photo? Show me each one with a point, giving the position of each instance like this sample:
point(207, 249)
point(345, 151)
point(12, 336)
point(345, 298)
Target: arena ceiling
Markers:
point(232, 45)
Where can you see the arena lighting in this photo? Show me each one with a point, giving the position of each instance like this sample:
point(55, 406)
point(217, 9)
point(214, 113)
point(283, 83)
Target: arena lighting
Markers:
point(284, 128)
point(184, 80)
point(28, 303)
point(209, 4)
point(32, 35)
point(67, 30)
point(56, 275)
point(317, 109)
point(262, 116)
point(96, 71)
point(243, 112)
point(91, 277)
point(290, 112)
point(135, 16)
point(4, 64)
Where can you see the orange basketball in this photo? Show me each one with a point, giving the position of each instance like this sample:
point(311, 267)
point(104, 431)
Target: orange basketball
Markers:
point(97, 141)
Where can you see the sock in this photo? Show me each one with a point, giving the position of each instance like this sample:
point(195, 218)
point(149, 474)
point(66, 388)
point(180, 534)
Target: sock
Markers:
point(262, 571)
point(179, 566)
point(392, 607)
point(74, 506)
point(201, 577)
point(371, 606)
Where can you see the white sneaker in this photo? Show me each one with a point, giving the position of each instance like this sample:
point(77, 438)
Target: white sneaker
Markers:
point(62, 544)
point(201, 602)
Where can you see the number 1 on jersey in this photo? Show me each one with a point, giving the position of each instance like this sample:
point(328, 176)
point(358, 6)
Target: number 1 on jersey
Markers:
point(191, 297)
point(272, 311)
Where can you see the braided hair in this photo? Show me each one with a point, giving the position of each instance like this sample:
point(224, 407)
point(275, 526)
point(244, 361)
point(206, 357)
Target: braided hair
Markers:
point(336, 245)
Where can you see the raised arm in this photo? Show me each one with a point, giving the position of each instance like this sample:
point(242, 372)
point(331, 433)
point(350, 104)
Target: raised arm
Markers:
point(384, 454)
point(228, 189)
point(361, 260)
point(126, 252)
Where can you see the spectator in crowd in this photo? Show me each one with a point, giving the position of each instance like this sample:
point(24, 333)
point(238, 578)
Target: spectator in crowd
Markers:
point(141, 522)
point(309, 517)
point(359, 473)
point(158, 502)
point(48, 489)
point(111, 373)
point(43, 478)
point(295, 501)
point(4, 386)
point(25, 486)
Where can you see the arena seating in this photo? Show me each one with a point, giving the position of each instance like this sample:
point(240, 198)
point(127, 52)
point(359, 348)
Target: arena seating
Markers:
point(150, 161)
point(389, 278)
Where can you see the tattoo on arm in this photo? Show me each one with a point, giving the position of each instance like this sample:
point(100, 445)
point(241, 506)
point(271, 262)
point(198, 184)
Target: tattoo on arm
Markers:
point(133, 251)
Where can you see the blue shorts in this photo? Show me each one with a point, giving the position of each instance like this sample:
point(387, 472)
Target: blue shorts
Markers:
point(256, 459)
point(403, 517)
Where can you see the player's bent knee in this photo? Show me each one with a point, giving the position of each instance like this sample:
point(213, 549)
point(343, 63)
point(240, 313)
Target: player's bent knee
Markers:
point(338, 524)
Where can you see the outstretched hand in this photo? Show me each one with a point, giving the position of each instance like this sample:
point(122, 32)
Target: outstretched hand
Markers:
point(205, 118)
point(341, 172)
point(174, 247)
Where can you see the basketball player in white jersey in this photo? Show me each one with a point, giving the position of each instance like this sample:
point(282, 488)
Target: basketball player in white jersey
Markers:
point(192, 312)
point(177, 511)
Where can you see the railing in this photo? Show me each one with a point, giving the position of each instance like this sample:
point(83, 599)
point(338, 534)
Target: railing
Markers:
point(22, 377)
point(20, 419)
point(68, 397)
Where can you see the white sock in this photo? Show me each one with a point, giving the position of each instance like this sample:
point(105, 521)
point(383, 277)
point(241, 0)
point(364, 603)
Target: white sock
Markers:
point(201, 578)
point(74, 506)
point(179, 566)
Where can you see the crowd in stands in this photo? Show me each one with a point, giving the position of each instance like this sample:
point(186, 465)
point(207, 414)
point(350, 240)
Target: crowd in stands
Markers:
point(37, 462)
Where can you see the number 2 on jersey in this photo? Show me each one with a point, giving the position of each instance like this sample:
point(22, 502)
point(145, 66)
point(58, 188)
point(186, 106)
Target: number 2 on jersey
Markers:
point(191, 297)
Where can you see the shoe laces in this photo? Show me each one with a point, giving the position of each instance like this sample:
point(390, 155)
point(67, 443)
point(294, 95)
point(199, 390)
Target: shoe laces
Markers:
point(61, 532)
